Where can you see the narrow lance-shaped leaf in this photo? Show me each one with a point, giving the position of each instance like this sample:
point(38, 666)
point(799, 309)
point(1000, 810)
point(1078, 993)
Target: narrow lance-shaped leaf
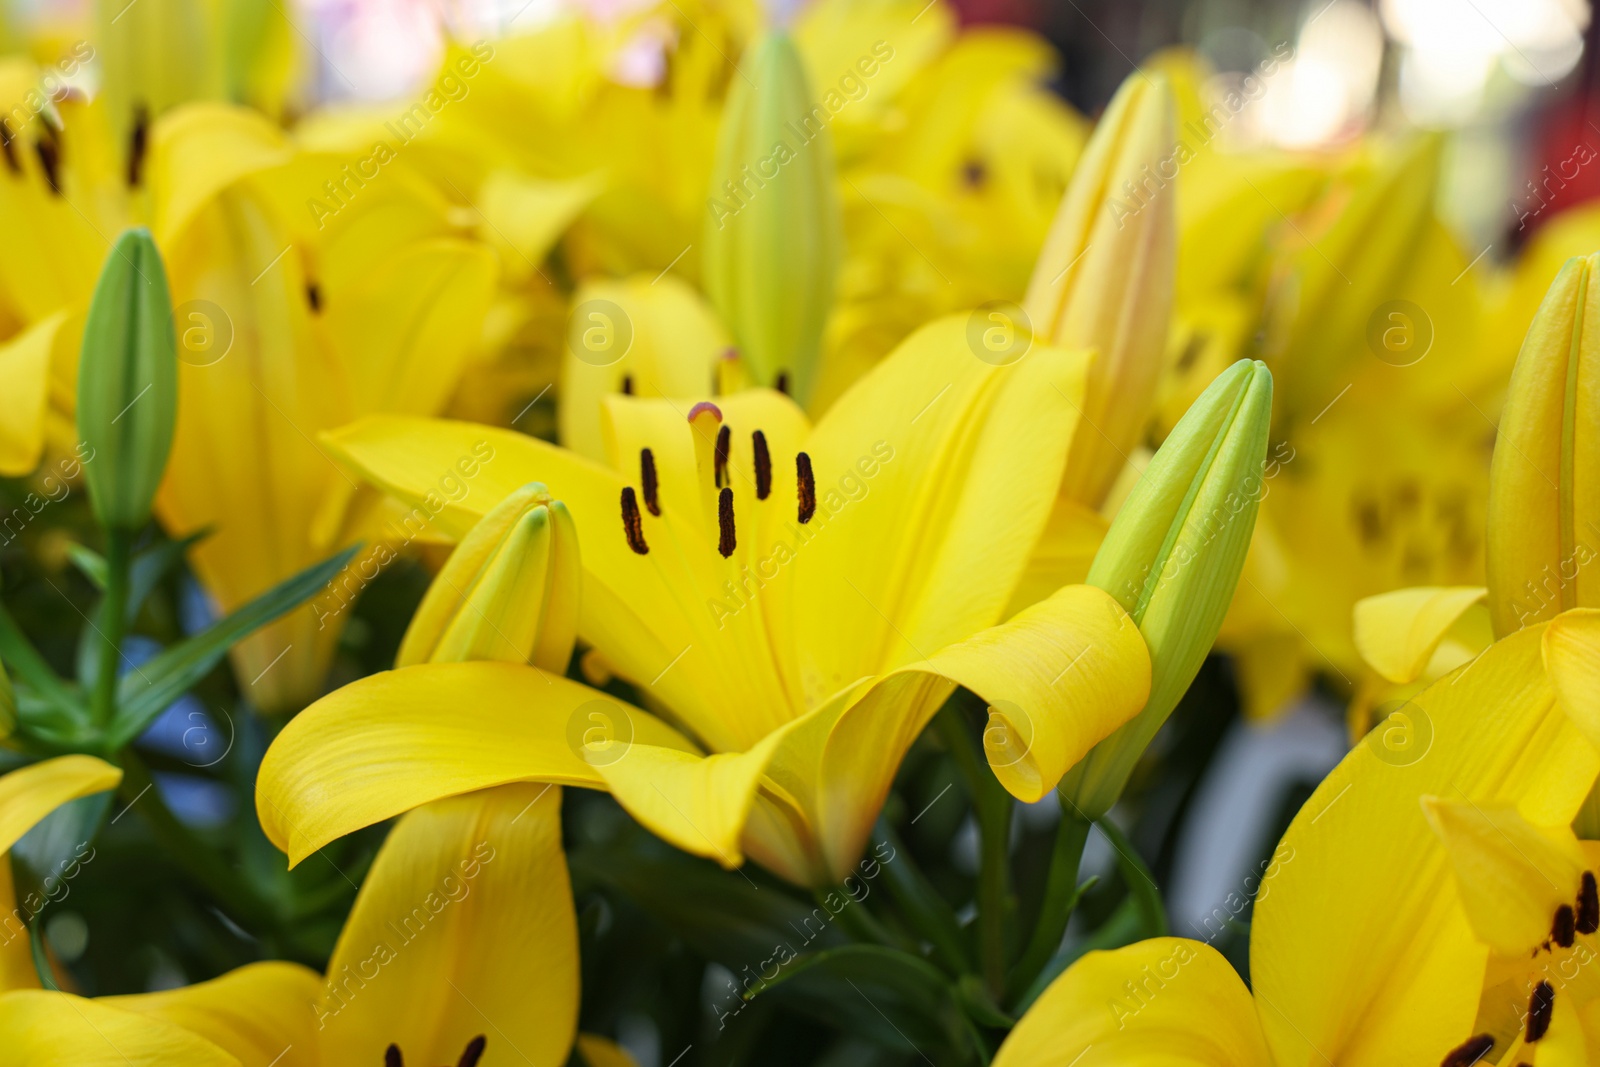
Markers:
point(146, 692)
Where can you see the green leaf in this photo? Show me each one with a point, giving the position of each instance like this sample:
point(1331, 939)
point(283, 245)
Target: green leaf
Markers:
point(928, 913)
point(718, 913)
point(893, 998)
point(31, 669)
point(1141, 883)
point(91, 564)
point(144, 693)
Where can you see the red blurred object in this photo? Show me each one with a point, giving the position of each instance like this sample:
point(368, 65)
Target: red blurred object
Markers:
point(1564, 161)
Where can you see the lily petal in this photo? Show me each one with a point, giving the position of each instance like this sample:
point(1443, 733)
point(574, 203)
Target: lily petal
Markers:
point(1360, 948)
point(1158, 1003)
point(698, 803)
point(1572, 656)
point(30, 793)
point(25, 369)
point(199, 149)
point(47, 1029)
point(260, 1013)
point(464, 927)
point(1397, 632)
point(1060, 677)
point(396, 740)
point(935, 467)
point(1513, 876)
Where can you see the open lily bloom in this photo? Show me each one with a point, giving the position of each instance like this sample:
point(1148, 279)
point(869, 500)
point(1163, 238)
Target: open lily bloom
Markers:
point(1411, 911)
point(793, 602)
point(462, 949)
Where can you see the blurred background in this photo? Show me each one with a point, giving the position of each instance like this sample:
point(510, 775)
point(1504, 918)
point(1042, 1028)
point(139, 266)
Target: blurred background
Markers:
point(1514, 79)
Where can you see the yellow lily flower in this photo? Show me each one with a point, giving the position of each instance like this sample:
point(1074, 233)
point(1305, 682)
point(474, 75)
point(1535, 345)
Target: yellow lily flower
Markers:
point(794, 631)
point(290, 323)
point(1373, 931)
point(462, 948)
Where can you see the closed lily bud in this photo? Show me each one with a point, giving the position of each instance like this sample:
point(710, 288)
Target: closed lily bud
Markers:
point(1105, 276)
point(772, 238)
point(508, 593)
point(1173, 557)
point(128, 382)
point(1544, 483)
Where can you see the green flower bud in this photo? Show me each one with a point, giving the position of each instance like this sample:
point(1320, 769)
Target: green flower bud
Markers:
point(1173, 557)
point(509, 591)
point(128, 382)
point(773, 236)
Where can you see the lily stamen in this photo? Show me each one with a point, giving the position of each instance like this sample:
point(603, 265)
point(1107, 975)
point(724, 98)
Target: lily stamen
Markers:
point(1469, 1051)
point(807, 487)
point(724, 444)
point(647, 480)
point(1588, 905)
point(725, 541)
point(1540, 1006)
point(473, 1052)
point(763, 460)
point(137, 143)
point(1563, 927)
point(6, 138)
point(632, 523)
point(50, 161)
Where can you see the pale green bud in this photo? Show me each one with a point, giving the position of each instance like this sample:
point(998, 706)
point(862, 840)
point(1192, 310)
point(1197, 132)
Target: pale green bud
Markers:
point(128, 382)
point(509, 591)
point(772, 237)
point(1173, 557)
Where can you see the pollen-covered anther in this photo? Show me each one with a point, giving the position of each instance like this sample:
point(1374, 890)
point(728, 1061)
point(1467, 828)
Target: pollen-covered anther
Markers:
point(647, 480)
point(7, 144)
point(724, 445)
point(1588, 905)
point(763, 462)
point(783, 382)
point(1469, 1051)
point(138, 142)
point(1563, 926)
point(806, 486)
point(49, 153)
point(632, 522)
point(627, 385)
point(726, 541)
point(1540, 1006)
point(473, 1052)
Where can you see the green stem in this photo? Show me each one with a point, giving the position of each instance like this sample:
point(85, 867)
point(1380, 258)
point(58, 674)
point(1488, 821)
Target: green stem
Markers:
point(112, 625)
point(929, 914)
point(993, 806)
point(1060, 896)
point(201, 862)
point(860, 923)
